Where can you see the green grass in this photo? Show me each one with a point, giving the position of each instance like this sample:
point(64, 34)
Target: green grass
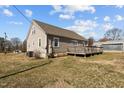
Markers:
point(97, 71)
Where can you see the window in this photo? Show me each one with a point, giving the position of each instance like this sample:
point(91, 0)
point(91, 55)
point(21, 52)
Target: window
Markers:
point(39, 42)
point(55, 42)
point(33, 30)
point(75, 42)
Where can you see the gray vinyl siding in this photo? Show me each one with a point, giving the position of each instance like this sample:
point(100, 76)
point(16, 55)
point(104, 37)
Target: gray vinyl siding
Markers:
point(117, 47)
point(64, 43)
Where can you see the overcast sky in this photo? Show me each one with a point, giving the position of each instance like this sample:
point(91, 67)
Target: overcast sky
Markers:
point(89, 21)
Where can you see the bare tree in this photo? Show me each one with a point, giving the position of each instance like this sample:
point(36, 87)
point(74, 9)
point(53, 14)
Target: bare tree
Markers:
point(16, 42)
point(90, 41)
point(103, 39)
point(1, 44)
point(9, 46)
point(5, 44)
point(114, 34)
point(24, 46)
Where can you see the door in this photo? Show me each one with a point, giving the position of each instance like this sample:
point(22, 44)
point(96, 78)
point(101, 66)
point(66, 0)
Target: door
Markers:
point(49, 47)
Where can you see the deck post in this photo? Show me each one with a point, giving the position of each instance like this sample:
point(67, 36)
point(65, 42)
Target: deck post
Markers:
point(75, 51)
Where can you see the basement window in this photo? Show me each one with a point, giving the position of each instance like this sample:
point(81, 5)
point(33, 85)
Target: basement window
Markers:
point(55, 42)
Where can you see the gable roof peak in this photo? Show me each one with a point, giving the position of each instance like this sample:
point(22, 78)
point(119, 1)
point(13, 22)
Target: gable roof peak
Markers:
point(57, 31)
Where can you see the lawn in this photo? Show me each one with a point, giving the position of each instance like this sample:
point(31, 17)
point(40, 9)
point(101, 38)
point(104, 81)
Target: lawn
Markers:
point(106, 70)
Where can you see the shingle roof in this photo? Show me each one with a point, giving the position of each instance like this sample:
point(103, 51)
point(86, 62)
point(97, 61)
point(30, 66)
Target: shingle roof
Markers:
point(57, 31)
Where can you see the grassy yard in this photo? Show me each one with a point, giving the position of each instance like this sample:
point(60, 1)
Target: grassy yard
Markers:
point(106, 70)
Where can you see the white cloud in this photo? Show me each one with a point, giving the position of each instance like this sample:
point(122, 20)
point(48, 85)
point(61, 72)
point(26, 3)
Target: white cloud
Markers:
point(72, 9)
point(56, 8)
point(28, 12)
point(64, 16)
point(119, 17)
point(95, 18)
point(7, 12)
point(106, 18)
point(107, 26)
point(90, 34)
point(78, 8)
point(15, 23)
point(83, 25)
point(119, 6)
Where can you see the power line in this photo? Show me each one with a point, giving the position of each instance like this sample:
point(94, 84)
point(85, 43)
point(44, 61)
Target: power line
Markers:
point(21, 13)
point(24, 15)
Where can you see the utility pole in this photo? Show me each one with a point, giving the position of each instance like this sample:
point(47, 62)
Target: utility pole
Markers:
point(5, 37)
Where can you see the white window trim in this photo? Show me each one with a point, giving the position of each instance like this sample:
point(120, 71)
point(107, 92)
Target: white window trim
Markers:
point(54, 41)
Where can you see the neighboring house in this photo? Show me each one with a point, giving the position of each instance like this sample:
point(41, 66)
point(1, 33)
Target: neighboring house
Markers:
point(48, 39)
point(110, 46)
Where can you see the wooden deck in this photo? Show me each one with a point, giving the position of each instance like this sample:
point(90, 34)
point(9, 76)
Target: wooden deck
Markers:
point(85, 51)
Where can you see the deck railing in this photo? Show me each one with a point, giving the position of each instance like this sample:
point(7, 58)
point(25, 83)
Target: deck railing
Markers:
point(77, 50)
point(85, 50)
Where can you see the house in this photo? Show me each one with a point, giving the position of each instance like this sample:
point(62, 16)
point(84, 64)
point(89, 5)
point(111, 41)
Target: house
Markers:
point(47, 39)
point(111, 46)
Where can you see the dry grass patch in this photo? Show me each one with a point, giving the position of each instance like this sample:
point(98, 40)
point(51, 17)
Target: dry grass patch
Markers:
point(69, 71)
point(12, 61)
point(107, 57)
